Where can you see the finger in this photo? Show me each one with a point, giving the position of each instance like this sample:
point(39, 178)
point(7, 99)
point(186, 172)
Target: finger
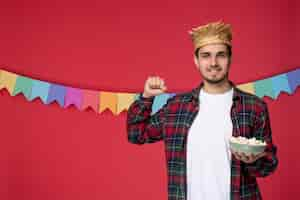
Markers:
point(244, 157)
point(252, 157)
point(261, 155)
point(162, 85)
point(150, 79)
point(149, 82)
point(153, 82)
point(162, 82)
point(236, 154)
point(158, 82)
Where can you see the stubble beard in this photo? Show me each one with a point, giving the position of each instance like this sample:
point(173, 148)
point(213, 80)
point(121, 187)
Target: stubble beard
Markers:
point(216, 81)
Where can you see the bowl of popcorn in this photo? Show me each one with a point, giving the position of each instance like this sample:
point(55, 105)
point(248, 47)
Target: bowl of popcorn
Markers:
point(247, 145)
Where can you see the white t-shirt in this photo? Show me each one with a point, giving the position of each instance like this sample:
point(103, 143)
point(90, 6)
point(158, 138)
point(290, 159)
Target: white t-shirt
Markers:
point(208, 153)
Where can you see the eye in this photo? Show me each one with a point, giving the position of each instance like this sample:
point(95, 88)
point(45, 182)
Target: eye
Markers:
point(204, 55)
point(222, 55)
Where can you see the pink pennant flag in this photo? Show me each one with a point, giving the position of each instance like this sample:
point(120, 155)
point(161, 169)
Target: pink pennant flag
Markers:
point(73, 96)
point(90, 99)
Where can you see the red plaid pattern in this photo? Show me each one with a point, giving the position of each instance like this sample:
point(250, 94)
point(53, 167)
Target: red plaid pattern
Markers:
point(171, 124)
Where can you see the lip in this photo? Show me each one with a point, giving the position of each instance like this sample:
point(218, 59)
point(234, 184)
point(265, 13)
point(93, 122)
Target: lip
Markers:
point(214, 70)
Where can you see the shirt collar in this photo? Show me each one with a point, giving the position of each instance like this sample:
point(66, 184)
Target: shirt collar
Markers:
point(237, 93)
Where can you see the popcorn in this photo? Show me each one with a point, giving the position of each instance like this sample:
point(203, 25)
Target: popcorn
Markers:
point(250, 141)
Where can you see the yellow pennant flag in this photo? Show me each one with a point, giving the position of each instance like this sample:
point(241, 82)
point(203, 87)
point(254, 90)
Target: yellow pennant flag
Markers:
point(108, 100)
point(8, 81)
point(124, 101)
point(247, 87)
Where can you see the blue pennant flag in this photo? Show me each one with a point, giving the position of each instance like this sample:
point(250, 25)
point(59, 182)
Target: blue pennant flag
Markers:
point(57, 93)
point(160, 101)
point(40, 89)
point(294, 79)
point(280, 83)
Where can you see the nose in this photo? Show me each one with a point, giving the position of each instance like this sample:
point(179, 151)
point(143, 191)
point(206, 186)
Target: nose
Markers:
point(213, 61)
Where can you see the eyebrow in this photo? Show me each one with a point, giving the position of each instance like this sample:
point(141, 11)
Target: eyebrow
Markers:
point(205, 52)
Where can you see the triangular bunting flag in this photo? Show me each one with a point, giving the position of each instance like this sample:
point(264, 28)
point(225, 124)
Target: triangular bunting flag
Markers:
point(108, 100)
point(264, 88)
point(280, 83)
point(40, 89)
point(56, 93)
point(8, 81)
point(90, 99)
point(124, 101)
point(118, 102)
point(294, 79)
point(23, 85)
point(73, 96)
point(247, 87)
point(159, 101)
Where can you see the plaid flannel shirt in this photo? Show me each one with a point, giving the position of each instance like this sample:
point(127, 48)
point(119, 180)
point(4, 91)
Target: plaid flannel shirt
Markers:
point(250, 118)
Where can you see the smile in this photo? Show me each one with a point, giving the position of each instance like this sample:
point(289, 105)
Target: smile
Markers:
point(214, 70)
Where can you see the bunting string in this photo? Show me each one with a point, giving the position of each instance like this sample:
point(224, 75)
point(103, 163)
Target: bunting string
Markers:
point(99, 101)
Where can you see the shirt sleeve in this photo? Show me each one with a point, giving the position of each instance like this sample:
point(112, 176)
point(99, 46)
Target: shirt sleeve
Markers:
point(266, 165)
point(142, 127)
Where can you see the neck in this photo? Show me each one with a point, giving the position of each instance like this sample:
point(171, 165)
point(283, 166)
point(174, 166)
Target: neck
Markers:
point(216, 88)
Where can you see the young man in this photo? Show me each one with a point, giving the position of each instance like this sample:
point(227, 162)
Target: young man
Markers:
point(196, 126)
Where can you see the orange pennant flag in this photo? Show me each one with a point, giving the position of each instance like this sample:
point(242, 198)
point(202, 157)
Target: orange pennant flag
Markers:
point(108, 100)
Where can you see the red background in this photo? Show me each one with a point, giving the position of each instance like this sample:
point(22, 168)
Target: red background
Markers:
point(52, 153)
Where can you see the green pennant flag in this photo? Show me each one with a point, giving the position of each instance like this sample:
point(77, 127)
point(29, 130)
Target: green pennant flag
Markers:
point(264, 88)
point(23, 85)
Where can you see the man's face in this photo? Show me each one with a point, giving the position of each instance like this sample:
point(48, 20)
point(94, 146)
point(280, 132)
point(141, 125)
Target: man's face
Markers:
point(213, 62)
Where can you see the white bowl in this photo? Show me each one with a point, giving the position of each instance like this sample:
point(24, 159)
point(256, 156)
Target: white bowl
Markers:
point(247, 148)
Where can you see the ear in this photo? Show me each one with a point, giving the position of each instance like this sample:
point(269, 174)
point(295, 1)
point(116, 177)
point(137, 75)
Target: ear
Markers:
point(230, 59)
point(196, 61)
